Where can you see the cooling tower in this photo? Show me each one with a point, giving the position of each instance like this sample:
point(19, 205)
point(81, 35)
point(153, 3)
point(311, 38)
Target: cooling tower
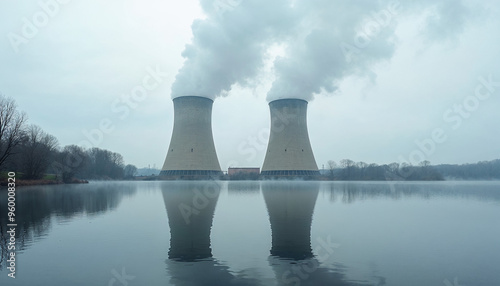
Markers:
point(191, 154)
point(289, 152)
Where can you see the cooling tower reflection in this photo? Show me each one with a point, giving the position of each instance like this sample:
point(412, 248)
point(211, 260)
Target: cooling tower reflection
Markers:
point(190, 208)
point(290, 206)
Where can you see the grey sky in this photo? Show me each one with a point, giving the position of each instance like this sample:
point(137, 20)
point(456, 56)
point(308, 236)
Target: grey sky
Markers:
point(399, 87)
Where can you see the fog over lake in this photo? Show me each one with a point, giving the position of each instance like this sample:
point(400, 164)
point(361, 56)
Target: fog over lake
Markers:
point(257, 233)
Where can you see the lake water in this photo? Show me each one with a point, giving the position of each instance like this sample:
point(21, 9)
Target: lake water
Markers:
point(256, 233)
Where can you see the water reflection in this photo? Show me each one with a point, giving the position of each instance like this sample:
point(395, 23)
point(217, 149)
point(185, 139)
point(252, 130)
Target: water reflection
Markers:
point(243, 187)
point(350, 192)
point(190, 208)
point(36, 206)
point(289, 225)
point(290, 206)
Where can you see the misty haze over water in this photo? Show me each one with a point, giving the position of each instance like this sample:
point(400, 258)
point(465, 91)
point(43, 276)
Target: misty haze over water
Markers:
point(257, 233)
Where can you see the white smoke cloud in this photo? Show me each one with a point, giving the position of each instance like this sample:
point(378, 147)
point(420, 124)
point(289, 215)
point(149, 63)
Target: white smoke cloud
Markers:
point(447, 20)
point(348, 37)
point(326, 40)
point(335, 35)
point(229, 46)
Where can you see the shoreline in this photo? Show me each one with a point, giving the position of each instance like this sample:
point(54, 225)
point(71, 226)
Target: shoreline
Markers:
point(42, 182)
point(45, 182)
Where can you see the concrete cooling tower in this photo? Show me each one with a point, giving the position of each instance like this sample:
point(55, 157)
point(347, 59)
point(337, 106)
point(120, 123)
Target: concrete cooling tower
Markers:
point(289, 152)
point(191, 154)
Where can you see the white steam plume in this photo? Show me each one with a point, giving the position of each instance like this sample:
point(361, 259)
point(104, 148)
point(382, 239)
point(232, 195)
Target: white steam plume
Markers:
point(339, 38)
point(326, 40)
point(229, 46)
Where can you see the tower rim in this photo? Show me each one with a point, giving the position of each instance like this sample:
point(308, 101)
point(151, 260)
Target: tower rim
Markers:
point(287, 99)
point(192, 96)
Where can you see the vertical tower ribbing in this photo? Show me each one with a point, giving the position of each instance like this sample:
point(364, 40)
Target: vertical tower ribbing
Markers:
point(191, 153)
point(289, 151)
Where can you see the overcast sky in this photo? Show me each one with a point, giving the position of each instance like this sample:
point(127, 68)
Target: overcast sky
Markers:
point(386, 81)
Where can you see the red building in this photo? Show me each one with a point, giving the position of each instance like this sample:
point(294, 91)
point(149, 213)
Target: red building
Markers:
point(245, 171)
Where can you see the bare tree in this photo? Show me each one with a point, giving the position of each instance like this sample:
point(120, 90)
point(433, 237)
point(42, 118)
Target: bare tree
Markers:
point(11, 127)
point(105, 164)
point(346, 163)
point(70, 162)
point(394, 167)
point(37, 151)
point(129, 171)
point(361, 170)
point(424, 163)
point(348, 166)
point(331, 167)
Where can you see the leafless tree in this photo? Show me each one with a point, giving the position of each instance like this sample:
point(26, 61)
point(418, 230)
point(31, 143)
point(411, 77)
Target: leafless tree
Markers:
point(105, 164)
point(37, 151)
point(70, 162)
point(331, 167)
point(11, 127)
point(394, 167)
point(424, 163)
point(348, 166)
point(129, 171)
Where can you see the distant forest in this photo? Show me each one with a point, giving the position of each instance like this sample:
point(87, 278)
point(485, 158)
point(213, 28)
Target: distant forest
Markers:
point(484, 170)
point(33, 153)
point(348, 170)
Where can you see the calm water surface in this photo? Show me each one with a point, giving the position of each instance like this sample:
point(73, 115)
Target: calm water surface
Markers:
point(256, 233)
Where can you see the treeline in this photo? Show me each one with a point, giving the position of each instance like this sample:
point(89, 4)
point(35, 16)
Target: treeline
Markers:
point(348, 170)
point(33, 153)
point(76, 162)
point(361, 171)
point(484, 170)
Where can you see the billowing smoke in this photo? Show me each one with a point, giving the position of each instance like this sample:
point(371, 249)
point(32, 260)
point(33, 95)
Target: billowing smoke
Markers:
point(230, 45)
point(325, 40)
point(342, 37)
point(347, 37)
